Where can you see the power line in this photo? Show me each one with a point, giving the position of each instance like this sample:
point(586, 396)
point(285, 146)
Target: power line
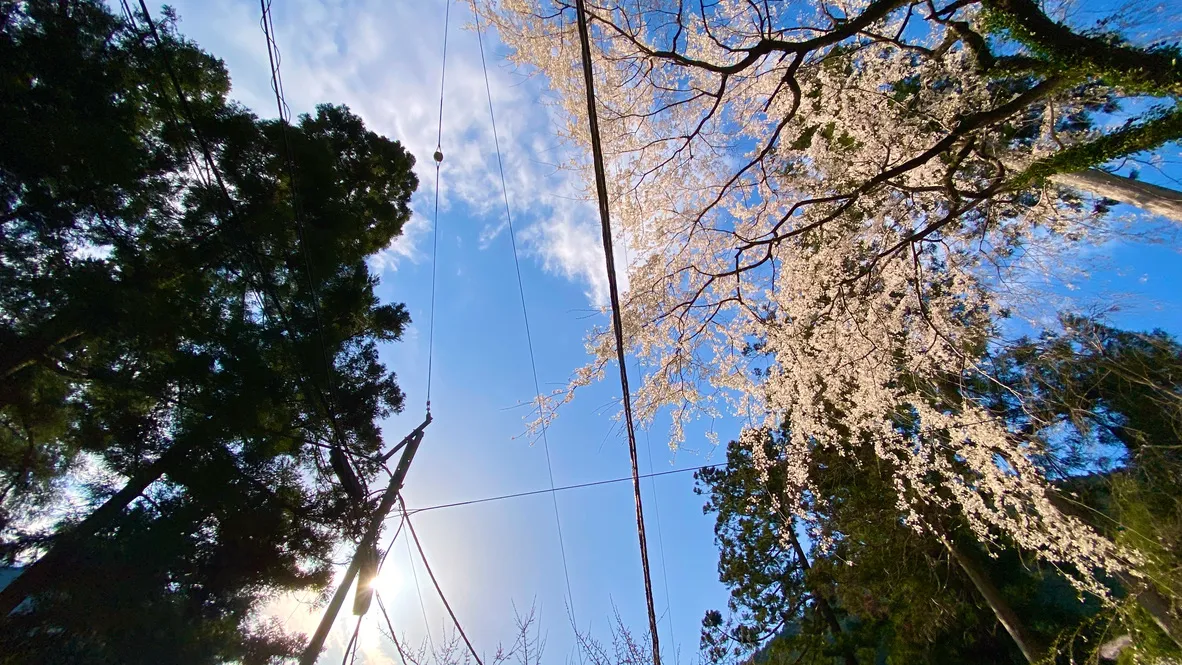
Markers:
point(390, 625)
point(385, 554)
point(435, 222)
point(595, 483)
point(660, 535)
point(422, 555)
point(184, 102)
point(172, 119)
point(273, 57)
point(648, 444)
point(533, 364)
point(410, 559)
point(351, 647)
point(189, 118)
point(613, 291)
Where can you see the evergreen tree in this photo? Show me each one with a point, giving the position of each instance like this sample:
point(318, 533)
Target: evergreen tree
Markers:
point(204, 336)
point(1099, 405)
point(900, 596)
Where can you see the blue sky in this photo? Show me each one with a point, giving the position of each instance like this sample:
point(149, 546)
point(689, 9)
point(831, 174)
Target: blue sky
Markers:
point(383, 59)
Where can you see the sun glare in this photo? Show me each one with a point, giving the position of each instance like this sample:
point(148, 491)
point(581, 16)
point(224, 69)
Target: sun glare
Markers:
point(388, 582)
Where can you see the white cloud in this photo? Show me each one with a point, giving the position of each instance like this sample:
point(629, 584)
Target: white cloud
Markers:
point(405, 246)
point(384, 61)
point(572, 247)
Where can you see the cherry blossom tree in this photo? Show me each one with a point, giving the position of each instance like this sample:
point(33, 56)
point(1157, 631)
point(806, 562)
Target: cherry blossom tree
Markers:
point(814, 194)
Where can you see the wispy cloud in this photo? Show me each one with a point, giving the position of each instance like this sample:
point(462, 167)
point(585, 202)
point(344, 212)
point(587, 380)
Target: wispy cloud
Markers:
point(384, 60)
point(571, 247)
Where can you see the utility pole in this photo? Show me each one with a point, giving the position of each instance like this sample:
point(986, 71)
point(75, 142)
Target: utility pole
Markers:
point(412, 441)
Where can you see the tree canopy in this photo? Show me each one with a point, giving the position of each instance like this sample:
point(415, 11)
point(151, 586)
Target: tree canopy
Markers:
point(824, 196)
point(1094, 396)
point(188, 338)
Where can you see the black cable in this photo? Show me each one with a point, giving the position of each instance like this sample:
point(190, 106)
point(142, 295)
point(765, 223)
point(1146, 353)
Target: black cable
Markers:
point(410, 558)
point(613, 291)
point(533, 364)
point(660, 535)
point(385, 554)
point(172, 119)
point(648, 445)
point(274, 59)
point(435, 221)
point(351, 647)
point(184, 101)
point(207, 153)
point(422, 555)
point(595, 483)
point(390, 625)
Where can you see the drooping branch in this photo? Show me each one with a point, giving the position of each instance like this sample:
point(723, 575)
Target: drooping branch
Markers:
point(873, 13)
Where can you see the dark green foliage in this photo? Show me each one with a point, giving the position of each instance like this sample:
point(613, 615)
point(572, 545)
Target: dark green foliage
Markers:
point(177, 581)
point(1099, 65)
point(150, 325)
point(1103, 408)
point(900, 597)
point(1110, 386)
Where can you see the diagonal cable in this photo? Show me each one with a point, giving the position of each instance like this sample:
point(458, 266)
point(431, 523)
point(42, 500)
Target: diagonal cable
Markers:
point(410, 558)
point(211, 165)
point(533, 364)
point(422, 555)
point(390, 625)
point(284, 111)
point(435, 222)
point(617, 324)
point(652, 475)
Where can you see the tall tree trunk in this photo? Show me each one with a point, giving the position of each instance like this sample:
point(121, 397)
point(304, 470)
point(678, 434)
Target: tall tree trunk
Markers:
point(1150, 198)
point(822, 604)
point(1148, 597)
point(1139, 70)
point(1154, 604)
point(1001, 609)
point(1145, 71)
point(37, 577)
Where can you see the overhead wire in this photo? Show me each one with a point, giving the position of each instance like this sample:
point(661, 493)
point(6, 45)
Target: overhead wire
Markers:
point(284, 112)
point(533, 364)
point(423, 555)
point(274, 58)
point(410, 558)
point(438, 156)
point(617, 324)
point(172, 117)
point(390, 625)
point(189, 118)
point(435, 222)
point(594, 483)
point(660, 533)
point(186, 109)
point(351, 647)
point(648, 444)
point(382, 606)
point(391, 545)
